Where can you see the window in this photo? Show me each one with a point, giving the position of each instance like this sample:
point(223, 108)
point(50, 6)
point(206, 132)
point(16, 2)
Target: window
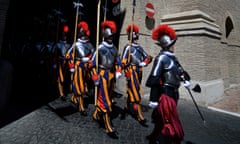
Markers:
point(228, 26)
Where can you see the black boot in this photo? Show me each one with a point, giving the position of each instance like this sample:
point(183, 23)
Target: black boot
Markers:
point(143, 122)
point(117, 95)
point(83, 113)
point(113, 134)
point(124, 113)
point(63, 98)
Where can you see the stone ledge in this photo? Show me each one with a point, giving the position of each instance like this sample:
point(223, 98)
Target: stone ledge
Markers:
point(193, 14)
point(193, 23)
point(211, 92)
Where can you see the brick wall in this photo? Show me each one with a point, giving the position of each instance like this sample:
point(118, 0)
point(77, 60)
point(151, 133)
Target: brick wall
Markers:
point(206, 58)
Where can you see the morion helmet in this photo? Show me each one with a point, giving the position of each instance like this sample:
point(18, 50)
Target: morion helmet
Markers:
point(65, 30)
point(83, 29)
point(165, 35)
point(135, 31)
point(108, 29)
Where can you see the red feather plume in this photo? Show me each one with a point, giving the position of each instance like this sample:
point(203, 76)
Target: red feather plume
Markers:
point(84, 26)
point(109, 24)
point(134, 28)
point(163, 29)
point(65, 28)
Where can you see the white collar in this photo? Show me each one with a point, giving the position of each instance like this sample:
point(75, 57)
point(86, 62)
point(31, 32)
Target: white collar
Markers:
point(107, 44)
point(168, 53)
point(81, 40)
point(135, 44)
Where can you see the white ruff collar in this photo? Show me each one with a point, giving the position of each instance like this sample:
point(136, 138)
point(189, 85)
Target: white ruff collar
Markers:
point(82, 41)
point(168, 53)
point(107, 44)
point(135, 44)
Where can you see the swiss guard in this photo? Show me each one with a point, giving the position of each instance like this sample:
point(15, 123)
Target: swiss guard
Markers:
point(164, 81)
point(108, 67)
point(61, 49)
point(80, 52)
point(134, 58)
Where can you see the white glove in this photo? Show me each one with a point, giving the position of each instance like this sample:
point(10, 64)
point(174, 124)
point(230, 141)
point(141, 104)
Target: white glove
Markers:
point(118, 75)
point(96, 83)
point(71, 70)
point(186, 84)
point(54, 66)
point(153, 104)
point(41, 61)
point(142, 64)
point(85, 59)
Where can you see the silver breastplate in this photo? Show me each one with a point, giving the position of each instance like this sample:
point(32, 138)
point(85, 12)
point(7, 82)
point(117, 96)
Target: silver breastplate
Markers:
point(62, 49)
point(171, 74)
point(136, 56)
point(107, 56)
point(50, 47)
point(82, 50)
point(40, 47)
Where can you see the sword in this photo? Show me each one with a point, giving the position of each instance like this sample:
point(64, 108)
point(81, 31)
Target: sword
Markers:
point(197, 88)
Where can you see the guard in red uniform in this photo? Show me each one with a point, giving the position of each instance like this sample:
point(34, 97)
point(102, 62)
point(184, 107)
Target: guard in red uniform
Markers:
point(164, 81)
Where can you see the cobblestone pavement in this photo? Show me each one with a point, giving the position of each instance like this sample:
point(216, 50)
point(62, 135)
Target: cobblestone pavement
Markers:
point(59, 123)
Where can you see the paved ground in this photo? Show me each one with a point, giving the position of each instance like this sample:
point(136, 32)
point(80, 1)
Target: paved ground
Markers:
point(57, 122)
point(230, 101)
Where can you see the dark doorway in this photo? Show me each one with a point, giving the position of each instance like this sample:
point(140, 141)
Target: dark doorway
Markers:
point(25, 24)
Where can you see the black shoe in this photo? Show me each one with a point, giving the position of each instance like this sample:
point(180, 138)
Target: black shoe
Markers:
point(143, 122)
point(124, 113)
point(113, 135)
point(63, 98)
point(83, 113)
point(151, 140)
point(148, 137)
point(85, 96)
point(117, 95)
point(114, 102)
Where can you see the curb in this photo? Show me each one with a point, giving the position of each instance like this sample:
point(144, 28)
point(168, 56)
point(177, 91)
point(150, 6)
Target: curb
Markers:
point(224, 111)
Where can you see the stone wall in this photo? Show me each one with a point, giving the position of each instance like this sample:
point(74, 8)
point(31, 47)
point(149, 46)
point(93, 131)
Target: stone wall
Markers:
point(6, 73)
point(233, 59)
point(211, 58)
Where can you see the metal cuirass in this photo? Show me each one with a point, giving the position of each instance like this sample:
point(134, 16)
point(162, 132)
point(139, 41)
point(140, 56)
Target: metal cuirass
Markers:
point(171, 73)
point(83, 49)
point(107, 56)
point(62, 48)
point(50, 47)
point(136, 56)
point(40, 47)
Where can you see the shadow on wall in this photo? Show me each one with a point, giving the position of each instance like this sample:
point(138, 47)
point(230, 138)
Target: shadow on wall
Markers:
point(6, 71)
point(21, 91)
